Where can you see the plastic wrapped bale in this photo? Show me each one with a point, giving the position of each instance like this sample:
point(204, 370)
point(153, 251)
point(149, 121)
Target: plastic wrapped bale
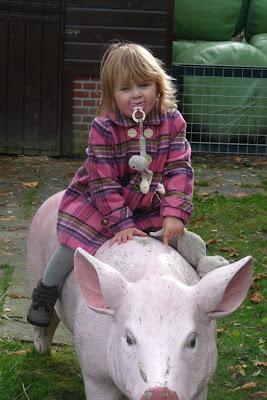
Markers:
point(221, 106)
point(242, 17)
point(180, 46)
point(208, 19)
point(260, 42)
point(257, 18)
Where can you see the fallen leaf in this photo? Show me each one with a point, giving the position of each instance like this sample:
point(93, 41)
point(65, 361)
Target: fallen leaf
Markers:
point(231, 251)
point(5, 240)
point(6, 254)
point(242, 162)
point(198, 220)
point(260, 276)
point(211, 241)
point(223, 330)
point(237, 370)
point(259, 162)
point(257, 297)
point(9, 218)
point(203, 194)
point(19, 352)
point(240, 195)
point(30, 185)
point(259, 395)
point(257, 373)
point(260, 364)
point(15, 296)
point(248, 385)
point(238, 160)
point(4, 194)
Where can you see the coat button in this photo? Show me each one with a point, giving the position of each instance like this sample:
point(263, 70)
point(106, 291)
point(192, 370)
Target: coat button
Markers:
point(104, 221)
point(136, 187)
point(148, 133)
point(132, 133)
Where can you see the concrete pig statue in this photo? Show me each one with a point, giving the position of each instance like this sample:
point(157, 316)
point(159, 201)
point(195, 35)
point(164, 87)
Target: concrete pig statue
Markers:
point(143, 322)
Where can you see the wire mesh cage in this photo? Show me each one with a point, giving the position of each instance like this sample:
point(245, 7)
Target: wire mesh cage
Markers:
point(225, 107)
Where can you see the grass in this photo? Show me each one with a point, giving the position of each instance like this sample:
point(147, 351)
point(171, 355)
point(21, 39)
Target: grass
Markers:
point(25, 374)
point(234, 228)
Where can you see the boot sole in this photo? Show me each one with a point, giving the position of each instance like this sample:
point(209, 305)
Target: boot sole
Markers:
point(40, 324)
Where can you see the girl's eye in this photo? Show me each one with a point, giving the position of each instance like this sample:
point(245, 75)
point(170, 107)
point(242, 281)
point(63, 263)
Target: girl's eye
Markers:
point(124, 88)
point(192, 341)
point(130, 340)
point(146, 84)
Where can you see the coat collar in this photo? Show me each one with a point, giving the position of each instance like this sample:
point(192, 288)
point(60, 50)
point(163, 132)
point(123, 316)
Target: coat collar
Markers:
point(153, 118)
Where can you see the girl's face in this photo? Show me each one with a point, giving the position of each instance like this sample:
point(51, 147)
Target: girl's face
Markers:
point(128, 96)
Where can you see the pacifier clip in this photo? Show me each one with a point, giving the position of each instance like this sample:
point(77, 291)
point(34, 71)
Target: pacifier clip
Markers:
point(140, 162)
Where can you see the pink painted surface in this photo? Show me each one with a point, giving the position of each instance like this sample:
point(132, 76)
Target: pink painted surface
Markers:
point(142, 320)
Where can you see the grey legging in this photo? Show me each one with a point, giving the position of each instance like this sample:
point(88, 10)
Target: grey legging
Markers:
point(59, 266)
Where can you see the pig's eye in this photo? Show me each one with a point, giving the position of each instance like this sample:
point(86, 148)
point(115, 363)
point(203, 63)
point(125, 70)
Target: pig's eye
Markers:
point(192, 341)
point(130, 339)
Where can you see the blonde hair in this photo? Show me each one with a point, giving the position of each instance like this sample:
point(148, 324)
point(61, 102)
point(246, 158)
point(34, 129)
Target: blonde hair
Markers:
point(124, 63)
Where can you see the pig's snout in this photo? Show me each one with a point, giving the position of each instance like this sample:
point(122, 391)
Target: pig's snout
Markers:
point(159, 393)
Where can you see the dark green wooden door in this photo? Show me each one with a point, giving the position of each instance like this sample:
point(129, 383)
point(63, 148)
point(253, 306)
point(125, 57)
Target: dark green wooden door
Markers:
point(31, 63)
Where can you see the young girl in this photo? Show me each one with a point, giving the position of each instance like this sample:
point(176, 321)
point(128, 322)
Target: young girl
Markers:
point(113, 195)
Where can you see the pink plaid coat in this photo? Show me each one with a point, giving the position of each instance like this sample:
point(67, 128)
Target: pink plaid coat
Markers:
point(104, 196)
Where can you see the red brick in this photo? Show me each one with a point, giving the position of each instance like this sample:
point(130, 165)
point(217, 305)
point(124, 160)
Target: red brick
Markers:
point(89, 103)
point(77, 119)
point(87, 119)
point(80, 94)
point(89, 85)
point(77, 103)
point(95, 95)
point(81, 127)
point(77, 85)
point(80, 110)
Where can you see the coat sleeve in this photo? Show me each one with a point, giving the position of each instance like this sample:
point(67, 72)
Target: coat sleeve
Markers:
point(178, 174)
point(104, 186)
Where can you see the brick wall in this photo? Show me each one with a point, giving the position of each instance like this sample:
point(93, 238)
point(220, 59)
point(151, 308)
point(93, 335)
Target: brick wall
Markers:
point(86, 94)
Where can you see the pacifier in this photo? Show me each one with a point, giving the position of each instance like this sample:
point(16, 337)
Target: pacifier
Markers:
point(138, 114)
point(140, 162)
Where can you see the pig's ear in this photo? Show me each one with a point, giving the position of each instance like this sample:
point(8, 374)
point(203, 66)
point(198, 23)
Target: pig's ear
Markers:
point(223, 290)
point(102, 287)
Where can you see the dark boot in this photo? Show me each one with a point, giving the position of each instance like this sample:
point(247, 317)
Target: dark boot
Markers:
point(42, 307)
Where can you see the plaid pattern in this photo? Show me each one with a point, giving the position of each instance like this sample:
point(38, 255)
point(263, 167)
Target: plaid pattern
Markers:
point(104, 197)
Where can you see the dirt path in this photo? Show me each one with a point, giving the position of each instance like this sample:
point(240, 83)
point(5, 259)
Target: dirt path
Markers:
point(25, 182)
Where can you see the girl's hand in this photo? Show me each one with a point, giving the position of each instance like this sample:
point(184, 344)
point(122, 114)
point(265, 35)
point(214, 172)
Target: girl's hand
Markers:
point(125, 235)
point(173, 227)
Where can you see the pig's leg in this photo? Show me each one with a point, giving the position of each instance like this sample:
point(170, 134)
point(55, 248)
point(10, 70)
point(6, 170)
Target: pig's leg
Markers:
point(203, 395)
point(97, 383)
point(43, 337)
